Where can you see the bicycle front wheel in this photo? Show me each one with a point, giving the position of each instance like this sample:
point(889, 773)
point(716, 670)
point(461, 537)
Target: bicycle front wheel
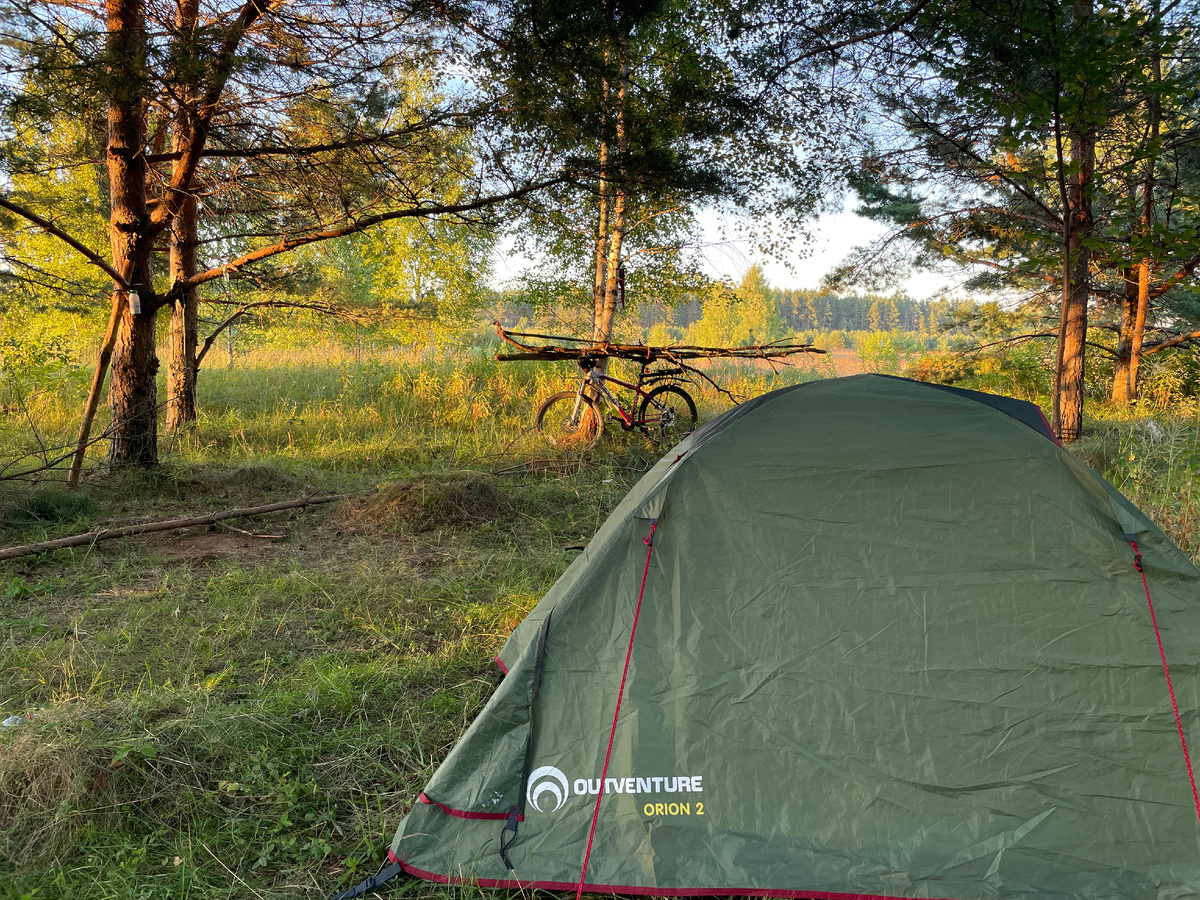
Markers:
point(567, 427)
point(668, 414)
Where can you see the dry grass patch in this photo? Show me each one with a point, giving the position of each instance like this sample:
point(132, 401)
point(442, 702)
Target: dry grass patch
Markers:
point(428, 504)
point(53, 780)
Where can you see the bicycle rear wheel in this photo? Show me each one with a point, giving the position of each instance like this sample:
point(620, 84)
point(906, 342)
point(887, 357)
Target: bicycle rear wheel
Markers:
point(563, 430)
point(668, 414)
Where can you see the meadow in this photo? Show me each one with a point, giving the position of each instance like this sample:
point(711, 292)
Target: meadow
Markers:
point(249, 710)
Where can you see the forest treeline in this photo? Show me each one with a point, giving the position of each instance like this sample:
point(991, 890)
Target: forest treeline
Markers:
point(816, 310)
point(751, 312)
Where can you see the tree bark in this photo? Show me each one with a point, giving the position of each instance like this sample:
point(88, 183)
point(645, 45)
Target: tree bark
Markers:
point(183, 335)
point(602, 235)
point(1129, 307)
point(133, 394)
point(1077, 287)
point(1139, 327)
point(1077, 256)
point(1148, 187)
point(93, 400)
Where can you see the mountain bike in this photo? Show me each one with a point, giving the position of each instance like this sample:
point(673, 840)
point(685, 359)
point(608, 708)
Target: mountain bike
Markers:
point(574, 419)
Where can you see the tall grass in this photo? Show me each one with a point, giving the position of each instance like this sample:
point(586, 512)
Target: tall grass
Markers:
point(1155, 462)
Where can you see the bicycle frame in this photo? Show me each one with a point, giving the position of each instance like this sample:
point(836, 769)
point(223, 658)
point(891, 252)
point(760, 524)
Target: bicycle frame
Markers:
point(660, 408)
point(597, 379)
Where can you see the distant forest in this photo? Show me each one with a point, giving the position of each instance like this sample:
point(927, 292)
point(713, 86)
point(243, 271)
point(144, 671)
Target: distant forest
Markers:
point(804, 309)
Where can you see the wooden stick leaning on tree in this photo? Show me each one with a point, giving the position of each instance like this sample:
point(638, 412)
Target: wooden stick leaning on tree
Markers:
point(93, 400)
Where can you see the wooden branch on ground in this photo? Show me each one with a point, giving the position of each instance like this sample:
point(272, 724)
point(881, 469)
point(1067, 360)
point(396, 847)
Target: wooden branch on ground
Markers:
point(107, 534)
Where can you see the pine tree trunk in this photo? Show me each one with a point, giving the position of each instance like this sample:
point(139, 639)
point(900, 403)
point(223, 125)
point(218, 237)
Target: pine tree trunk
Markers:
point(1077, 288)
point(1129, 303)
point(183, 335)
point(132, 391)
point(1139, 327)
point(1148, 185)
point(601, 231)
point(618, 216)
point(184, 329)
point(1068, 410)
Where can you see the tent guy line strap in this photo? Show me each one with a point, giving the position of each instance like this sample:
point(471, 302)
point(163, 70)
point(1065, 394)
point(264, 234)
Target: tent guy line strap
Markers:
point(1137, 564)
point(385, 874)
point(648, 540)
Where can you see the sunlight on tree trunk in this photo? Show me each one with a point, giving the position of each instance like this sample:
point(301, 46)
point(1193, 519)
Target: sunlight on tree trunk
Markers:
point(133, 393)
point(183, 334)
point(618, 219)
point(1077, 257)
point(602, 191)
point(1129, 310)
point(184, 329)
point(1143, 299)
point(1076, 289)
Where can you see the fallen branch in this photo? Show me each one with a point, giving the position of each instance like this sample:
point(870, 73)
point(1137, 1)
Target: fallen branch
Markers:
point(107, 534)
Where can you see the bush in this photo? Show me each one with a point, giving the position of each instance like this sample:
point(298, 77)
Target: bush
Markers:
point(879, 352)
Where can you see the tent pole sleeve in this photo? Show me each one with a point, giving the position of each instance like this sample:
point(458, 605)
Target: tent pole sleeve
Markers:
point(1187, 758)
point(648, 540)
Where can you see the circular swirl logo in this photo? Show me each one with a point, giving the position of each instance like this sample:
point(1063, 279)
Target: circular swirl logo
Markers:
point(547, 780)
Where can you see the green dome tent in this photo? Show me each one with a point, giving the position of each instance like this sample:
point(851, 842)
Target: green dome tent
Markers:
point(859, 638)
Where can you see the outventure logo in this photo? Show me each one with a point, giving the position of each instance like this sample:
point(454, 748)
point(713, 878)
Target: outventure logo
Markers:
point(552, 781)
point(547, 780)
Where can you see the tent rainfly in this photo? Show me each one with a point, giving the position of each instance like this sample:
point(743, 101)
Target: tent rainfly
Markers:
point(858, 638)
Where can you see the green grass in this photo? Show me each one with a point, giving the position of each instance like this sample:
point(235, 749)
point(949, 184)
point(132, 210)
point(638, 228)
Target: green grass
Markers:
point(219, 714)
point(265, 714)
point(1155, 462)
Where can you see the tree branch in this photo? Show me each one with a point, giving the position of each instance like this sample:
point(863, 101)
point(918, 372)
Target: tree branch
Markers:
point(106, 534)
point(50, 228)
point(245, 308)
point(1034, 335)
point(1173, 342)
point(309, 150)
point(188, 162)
point(355, 227)
point(1185, 270)
point(857, 39)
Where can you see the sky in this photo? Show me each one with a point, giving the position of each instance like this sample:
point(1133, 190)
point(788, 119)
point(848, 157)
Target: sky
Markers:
point(834, 236)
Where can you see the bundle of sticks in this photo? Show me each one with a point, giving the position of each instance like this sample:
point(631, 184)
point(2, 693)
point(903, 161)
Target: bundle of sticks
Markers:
point(579, 348)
